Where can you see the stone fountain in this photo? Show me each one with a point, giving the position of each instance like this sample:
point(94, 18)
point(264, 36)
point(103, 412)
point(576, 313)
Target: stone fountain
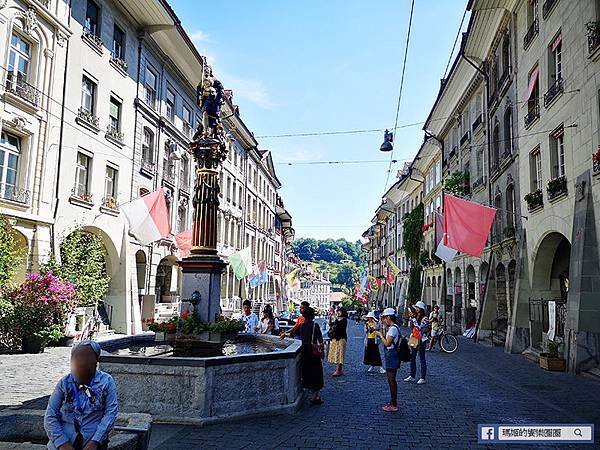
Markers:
point(253, 374)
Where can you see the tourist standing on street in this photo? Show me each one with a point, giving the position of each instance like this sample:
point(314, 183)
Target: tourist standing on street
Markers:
point(372, 357)
point(299, 321)
point(267, 323)
point(311, 366)
point(339, 338)
point(434, 321)
point(248, 317)
point(419, 323)
point(83, 408)
point(391, 340)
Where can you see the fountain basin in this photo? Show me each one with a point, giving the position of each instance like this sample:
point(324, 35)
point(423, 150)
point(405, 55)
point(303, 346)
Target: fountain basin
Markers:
point(184, 389)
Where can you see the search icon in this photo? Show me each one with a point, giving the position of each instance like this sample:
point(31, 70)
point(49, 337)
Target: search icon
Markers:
point(577, 432)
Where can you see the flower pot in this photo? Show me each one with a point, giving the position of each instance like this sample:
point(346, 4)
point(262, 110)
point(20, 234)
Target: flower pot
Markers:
point(551, 363)
point(32, 344)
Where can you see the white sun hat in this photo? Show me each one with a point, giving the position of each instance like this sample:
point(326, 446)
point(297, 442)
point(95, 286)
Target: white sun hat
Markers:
point(371, 315)
point(388, 312)
point(421, 305)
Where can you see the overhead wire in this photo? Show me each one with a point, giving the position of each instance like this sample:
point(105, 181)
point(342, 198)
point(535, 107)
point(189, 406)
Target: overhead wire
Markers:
point(412, 7)
point(455, 41)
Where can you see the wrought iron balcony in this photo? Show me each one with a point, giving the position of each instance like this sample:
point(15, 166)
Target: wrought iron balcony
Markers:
point(532, 32)
point(453, 153)
point(465, 138)
point(23, 90)
point(547, 7)
point(14, 193)
point(593, 35)
point(554, 91)
point(110, 203)
point(88, 118)
point(533, 114)
point(479, 182)
point(169, 178)
point(556, 187)
point(119, 62)
point(477, 122)
point(503, 78)
point(507, 153)
point(147, 167)
point(92, 39)
point(115, 135)
point(534, 200)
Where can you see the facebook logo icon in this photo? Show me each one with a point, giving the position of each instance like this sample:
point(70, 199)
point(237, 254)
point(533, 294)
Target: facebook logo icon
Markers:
point(487, 434)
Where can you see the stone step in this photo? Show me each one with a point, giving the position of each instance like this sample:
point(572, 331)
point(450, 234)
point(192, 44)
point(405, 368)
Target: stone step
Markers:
point(593, 373)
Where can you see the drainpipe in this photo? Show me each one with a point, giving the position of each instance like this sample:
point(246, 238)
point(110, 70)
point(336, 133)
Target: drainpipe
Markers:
point(489, 183)
point(60, 142)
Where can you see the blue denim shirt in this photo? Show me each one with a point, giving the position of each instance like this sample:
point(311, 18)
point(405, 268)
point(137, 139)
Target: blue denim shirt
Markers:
point(96, 414)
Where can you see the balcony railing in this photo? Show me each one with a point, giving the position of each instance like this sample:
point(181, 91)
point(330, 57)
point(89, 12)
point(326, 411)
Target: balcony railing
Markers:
point(535, 200)
point(92, 40)
point(147, 167)
point(503, 78)
point(538, 312)
point(547, 7)
point(556, 187)
point(115, 135)
point(478, 182)
point(169, 178)
point(119, 62)
point(593, 35)
point(506, 155)
point(453, 153)
point(533, 114)
point(110, 203)
point(531, 33)
point(14, 193)
point(88, 118)
point(465, 138)
point(477, 122)
point(23, 90)
point(554, 91)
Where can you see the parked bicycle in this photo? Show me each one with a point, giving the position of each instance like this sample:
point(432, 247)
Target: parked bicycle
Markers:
point(448, 342)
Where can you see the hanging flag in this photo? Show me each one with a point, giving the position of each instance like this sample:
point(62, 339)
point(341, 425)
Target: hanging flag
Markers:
point(379, 283)
point(292, 279)
point(466, 225)
point(183, 241)
point(389, 276)
point(393, 267)
point(241, 263)
point(444, 253)
point(364, 280)
point(148, 217)
point(257, 280)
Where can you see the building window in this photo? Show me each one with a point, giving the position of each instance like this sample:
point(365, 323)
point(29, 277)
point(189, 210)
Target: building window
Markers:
point(19, 60)
point(535, 167)
point(187, 121)
point(88, 95)
point(110, 187)
point(10, 152)
point(114, 119)
point(557, 153)
point(229, 189)
point(170, 105)
point(438, 172)
point(508, 133)
point(118, 51)
point(555, 60)
point(92, 15)
point(184, 172)
point(150, 88)
point(82, 175)
point(181, 218)
point(496, 143)
point(143, 192)
point(148, 146)
point(510, 206)
point(506, 55)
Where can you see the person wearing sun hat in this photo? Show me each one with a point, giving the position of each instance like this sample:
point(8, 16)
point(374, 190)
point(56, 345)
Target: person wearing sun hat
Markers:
point(372, 357)
point(83, 408)
point(392, 361)
point(419, 323)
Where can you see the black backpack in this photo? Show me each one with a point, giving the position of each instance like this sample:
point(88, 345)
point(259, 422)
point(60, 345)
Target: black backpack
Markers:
point(402, 347)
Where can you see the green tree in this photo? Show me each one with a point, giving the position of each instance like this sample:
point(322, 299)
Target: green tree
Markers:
point(82, 262)
point(11, 255)
point(412, 239)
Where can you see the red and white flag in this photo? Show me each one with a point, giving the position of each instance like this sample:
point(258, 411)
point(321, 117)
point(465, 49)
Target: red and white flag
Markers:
point(148, 217)
point(466, 225)
point(444, 253)
point(183, 241)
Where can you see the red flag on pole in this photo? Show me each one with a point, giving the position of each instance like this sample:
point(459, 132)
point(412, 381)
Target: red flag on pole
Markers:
point(466, 224)
point(389, 276)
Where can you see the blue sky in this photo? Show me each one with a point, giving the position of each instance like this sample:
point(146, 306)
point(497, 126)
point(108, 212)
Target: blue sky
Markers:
point(309, 66)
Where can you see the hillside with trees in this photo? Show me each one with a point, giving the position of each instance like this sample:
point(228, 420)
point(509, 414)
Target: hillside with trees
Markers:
point(341, 258)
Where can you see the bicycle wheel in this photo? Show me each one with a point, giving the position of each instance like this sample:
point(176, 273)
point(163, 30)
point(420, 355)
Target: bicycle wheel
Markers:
point(449, 343)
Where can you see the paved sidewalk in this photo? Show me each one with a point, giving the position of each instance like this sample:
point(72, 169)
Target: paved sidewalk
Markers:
point(477, 384)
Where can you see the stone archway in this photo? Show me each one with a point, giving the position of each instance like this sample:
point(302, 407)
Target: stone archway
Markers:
point(140, 266)
point(166, 280)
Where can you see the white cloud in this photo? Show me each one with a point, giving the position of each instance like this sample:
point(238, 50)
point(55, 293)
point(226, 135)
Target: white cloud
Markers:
point(198, 36)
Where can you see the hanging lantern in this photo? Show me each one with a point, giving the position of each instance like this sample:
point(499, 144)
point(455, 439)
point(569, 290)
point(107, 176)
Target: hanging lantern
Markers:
point(388, 139)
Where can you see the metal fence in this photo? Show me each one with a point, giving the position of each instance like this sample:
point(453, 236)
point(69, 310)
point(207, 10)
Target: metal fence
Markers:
point(538, 312)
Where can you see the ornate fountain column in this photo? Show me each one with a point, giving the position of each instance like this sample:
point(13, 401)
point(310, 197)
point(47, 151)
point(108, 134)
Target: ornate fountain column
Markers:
point(202, 270)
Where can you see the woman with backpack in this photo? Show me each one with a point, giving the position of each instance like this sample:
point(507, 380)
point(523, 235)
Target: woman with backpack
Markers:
point(418, 342)
point(391, 341)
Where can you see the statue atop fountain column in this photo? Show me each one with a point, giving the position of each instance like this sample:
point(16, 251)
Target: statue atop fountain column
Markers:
point(202, 270)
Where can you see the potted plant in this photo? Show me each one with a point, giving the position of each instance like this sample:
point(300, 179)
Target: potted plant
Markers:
point(551, 360)
point(534, 199)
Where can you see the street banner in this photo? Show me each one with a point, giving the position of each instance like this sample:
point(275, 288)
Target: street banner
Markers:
point(292, 279)
point(241, 263)
point(393, 267)
point(183, 241)
point(148, 217)
point(466, 225)
point(259, 279)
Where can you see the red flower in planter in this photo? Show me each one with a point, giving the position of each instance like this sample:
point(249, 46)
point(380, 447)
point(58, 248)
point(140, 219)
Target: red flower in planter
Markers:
point(171, 327)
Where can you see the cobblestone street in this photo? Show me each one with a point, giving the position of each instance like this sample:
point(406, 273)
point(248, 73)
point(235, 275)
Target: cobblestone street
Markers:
point(478, 384)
